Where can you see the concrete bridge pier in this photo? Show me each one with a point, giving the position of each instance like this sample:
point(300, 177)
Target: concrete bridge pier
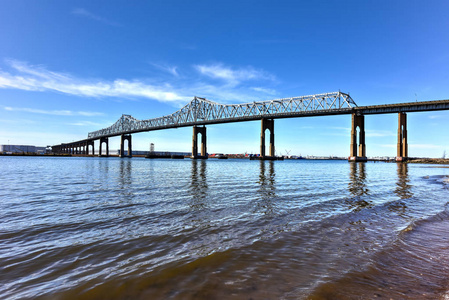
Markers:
point(125, 137)
point(104, 140)
point(358, 151)
point(267, 124)
point(402, 147)
point(202, 131)
point(90, 144)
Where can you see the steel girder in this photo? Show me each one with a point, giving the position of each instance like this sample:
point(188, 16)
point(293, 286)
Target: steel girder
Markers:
point(202, 111)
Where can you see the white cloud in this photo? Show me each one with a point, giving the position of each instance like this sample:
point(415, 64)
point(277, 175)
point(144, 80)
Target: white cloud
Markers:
point(87, 123)
point(90, 113)
point(84, 13)
point(38, 138)
point(424, 146)
point(387, 145)
point(173, 70)
point(264, 90)
point(379, 133)
point(340, 128)
point(414, 146)
point(437, 117)
point(55, 112)
point(230, 89)
point(37, 78)
point(233, 76)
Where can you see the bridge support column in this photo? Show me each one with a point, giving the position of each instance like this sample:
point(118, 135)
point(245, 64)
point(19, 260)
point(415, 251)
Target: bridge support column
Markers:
point(402, 148)
point(267, 124)
point(88, 145)
point(125, 137)
point(104, 140)
point(358, 121)
point(202, 131)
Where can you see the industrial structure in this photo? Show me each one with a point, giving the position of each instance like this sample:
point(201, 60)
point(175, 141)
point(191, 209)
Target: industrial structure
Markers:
point(24, 149)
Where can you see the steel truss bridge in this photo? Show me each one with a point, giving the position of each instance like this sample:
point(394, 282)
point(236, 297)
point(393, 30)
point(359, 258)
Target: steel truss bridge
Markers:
point(201, 111)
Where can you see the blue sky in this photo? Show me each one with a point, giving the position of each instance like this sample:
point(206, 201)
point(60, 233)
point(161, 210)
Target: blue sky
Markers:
point(71, 67)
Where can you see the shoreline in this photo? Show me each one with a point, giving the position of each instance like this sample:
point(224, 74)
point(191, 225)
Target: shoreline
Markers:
point(413, 160)
point(439, 161)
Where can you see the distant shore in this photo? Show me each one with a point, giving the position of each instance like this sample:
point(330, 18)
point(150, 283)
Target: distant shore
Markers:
point(440, 161)
point(414, 160)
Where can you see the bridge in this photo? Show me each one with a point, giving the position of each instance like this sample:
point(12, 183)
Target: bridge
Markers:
point(201, 112)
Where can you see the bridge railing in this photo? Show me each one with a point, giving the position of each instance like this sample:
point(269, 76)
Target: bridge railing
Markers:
point(201, 111)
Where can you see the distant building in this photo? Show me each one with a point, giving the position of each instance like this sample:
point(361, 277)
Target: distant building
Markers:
point(138, 152)
point(22, 149)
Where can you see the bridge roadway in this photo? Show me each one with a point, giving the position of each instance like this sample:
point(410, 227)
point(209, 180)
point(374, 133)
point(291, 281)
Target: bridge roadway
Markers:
point(200, 112)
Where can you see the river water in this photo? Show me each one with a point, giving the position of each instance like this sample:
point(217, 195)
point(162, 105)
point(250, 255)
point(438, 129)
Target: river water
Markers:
point(110, 228)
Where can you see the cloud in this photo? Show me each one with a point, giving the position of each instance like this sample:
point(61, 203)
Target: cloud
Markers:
point(424, 146)
point(340, 128)
point(38, 138)
point(87, 123)
point(84, 13)
point(233, 77)
point(387, 145)
point(264, 90)
point(169, 69)
point(414, 146)
point(230, 88)
point(437, 117)
point(38, 78)
point(55, 112)
point(379, 133)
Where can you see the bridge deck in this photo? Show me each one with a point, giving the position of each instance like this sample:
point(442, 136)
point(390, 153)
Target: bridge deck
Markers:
point(404, 107)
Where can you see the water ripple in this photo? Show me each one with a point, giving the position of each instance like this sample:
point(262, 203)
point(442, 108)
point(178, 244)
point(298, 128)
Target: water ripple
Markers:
point(91, 228)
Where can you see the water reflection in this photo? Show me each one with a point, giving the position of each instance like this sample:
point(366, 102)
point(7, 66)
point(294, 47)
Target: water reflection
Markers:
point(104, 167)
point(125, 173)
point(357, 186)
point(357, 176)
point(103, 174)
point(403, 188)
point(198, 185)
point(267, 188)
point(124, 177)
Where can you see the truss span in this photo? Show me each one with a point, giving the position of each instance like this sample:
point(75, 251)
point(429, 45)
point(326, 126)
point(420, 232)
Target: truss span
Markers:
point(201, 111)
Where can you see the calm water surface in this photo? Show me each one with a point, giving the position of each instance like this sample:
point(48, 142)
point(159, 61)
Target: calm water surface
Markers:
point(109, 228)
